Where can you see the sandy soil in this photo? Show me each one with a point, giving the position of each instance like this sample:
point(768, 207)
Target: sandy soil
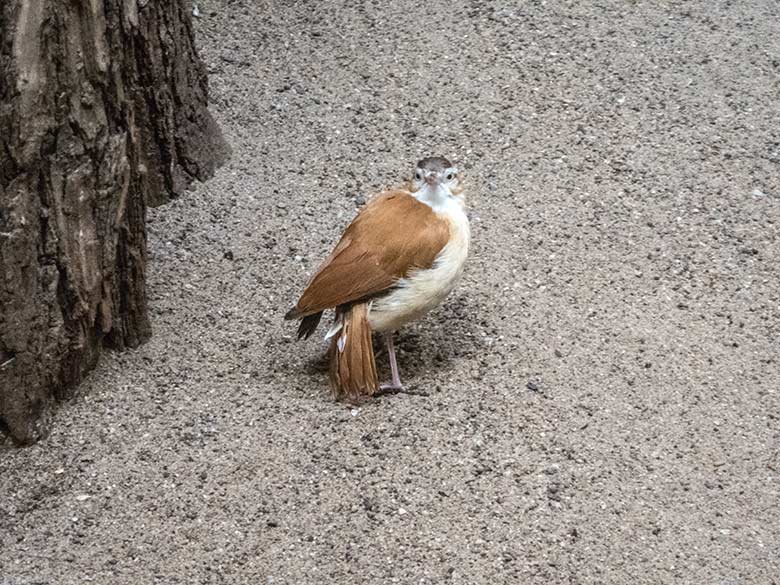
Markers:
point(603, 387)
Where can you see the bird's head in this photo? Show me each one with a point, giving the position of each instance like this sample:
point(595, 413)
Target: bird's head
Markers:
point(435, 180)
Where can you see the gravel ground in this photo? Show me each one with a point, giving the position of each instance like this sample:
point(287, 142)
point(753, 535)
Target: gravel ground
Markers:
point(603, 386)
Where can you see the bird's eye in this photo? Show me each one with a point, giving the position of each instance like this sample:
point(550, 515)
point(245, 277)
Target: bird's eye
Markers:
point(449, 176)
point(418, 175)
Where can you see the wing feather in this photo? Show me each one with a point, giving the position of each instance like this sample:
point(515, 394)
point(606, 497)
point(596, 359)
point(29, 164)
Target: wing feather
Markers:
point(391, 236)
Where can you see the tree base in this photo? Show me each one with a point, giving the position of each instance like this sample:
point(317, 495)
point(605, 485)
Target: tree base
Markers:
point(103, 110)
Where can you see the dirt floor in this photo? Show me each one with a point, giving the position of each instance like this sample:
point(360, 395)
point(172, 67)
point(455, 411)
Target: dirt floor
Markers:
point(603, 385)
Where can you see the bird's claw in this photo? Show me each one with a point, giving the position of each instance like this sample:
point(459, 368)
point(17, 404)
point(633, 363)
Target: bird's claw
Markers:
point(385, 389)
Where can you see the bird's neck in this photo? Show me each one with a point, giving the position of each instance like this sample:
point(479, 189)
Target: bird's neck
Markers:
point(437, 197)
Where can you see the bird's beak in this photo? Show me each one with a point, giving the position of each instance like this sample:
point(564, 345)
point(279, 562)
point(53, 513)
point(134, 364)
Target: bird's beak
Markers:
point(430, 178)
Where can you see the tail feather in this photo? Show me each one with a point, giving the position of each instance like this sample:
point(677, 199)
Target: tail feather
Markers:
point(352, 366)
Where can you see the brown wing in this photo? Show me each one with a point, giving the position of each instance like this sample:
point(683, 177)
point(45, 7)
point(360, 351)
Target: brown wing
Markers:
point(391, 235)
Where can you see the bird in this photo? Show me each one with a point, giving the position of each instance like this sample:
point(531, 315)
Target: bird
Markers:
point(399, 258)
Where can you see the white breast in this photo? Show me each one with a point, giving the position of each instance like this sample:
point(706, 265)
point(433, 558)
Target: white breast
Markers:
point(424, 289)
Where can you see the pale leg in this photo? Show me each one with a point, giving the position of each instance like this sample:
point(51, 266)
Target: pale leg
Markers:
point(395, 383)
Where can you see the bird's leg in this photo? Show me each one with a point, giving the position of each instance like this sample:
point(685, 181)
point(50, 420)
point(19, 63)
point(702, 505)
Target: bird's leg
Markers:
point(395, 386)
point(395, 383)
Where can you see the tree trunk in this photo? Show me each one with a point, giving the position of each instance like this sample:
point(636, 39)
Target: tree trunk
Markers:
point(103, 110)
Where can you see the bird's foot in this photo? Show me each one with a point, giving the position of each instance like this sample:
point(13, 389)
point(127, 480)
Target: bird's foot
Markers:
point(391, 388)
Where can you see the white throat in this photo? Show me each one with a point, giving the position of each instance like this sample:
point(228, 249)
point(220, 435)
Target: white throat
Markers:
point(438, 198)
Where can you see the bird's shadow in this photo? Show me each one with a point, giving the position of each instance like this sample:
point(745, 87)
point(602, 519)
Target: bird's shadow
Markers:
point(451, 332)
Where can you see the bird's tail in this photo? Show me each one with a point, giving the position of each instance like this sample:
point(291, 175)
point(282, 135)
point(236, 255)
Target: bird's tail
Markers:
point(352, 365)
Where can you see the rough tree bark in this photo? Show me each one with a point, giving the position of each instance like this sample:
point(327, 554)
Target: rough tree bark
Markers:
point(103, 110)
